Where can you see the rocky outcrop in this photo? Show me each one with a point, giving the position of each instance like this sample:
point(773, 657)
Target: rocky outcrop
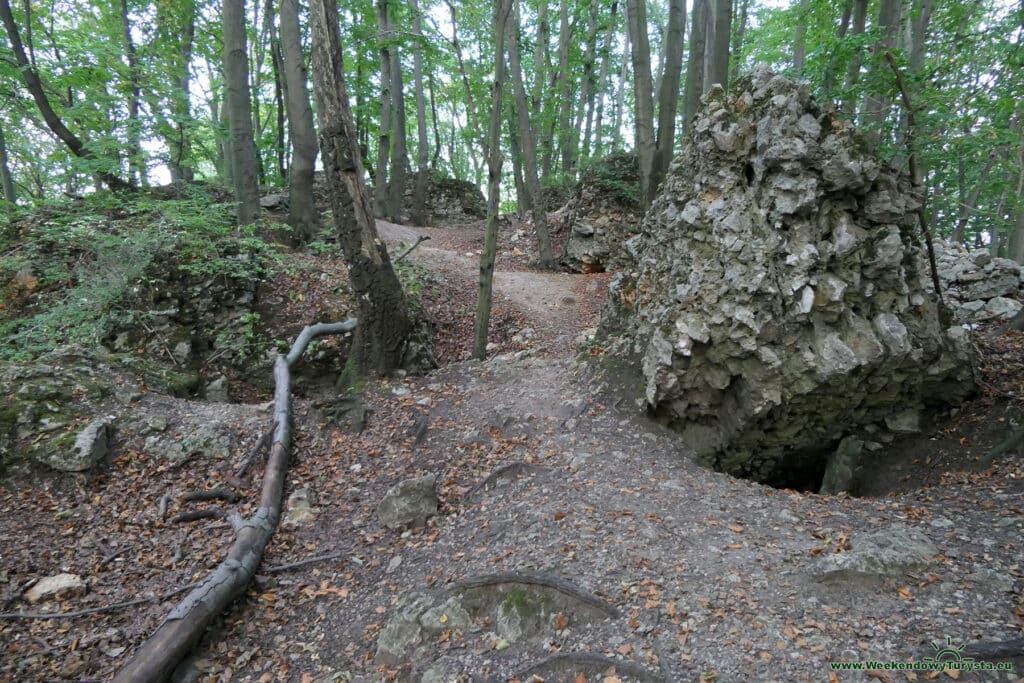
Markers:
point(978, 286)
point(449, 201)
point(777, 300)
point(604, 213)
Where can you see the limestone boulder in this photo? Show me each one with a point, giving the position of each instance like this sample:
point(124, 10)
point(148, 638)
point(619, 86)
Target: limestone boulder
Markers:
point(603, 214)
point(777, 300)
point(409, 503)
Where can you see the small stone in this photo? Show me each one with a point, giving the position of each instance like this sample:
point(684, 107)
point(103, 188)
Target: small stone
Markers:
point(904, 422)
point(409, 503)
point(217, 390)
point(57, 587)
point(888, 552)
point(299, 508)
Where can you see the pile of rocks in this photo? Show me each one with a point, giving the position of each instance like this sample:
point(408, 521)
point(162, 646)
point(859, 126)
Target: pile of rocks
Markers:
point(778, 297)
point(604, 213)
point(978, 286)
point(449, 201)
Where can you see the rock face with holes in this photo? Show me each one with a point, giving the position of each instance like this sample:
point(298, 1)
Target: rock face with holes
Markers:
point(604, 213)
point(778, 298)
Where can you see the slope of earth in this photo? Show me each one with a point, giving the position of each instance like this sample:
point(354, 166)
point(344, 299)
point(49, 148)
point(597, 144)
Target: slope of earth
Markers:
point(547, 476)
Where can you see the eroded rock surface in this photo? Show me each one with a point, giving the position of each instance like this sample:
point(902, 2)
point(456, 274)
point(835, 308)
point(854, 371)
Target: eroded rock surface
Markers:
point(978, 286)
point(603, 214)
point(778, 300)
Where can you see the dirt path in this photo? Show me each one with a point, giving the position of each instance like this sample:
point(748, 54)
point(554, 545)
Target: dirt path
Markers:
point(621, 559)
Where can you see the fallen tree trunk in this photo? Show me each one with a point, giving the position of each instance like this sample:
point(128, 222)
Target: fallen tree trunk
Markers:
point(157, 658)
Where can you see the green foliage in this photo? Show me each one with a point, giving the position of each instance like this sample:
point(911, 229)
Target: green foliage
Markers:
point(77, 270)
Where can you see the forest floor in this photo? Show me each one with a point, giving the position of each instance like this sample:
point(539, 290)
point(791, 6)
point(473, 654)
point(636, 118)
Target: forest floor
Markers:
point(547, 471)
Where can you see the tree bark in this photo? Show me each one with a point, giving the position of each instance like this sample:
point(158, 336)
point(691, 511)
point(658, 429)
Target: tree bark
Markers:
point(157, 658)
point(419, 197)
point(545, 258)
point(878, 101)
point(620, 95)
point(694, 87)
point(434, 123)
point(239, 112)
point(6, 179)
point(380, 341)
point(302, 213)
point(668, 91)
point(35, 88)
point(542, 130)
point(585, 113)
point(502, 9)
point(829, 79)
point(737, 38)
point(719, 64)
point(643, 98)
point(399, 144)
point(136, 162)
point(602, 83)
point(860, 13)
point(566, 133)
point(380, 177)
point(800, 39)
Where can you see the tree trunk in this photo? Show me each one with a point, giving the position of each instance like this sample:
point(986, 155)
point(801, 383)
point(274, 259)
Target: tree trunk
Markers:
point(383, 314)
point(6, 180)
point(136, 162)
point(515, 147)
point(545, 257)
point(35, 87)
point(920, 21)
point(302, 213)
point(643, 98)
point(280, 95)
point(877, 101)
point(829, 80)
point(737, 39)
point(589, 87)
point(694, 87)
point(471, 114)
point(380, 177)
point(860, 14)
point(602, 83)
point(800, 39)
point(239, 112)
point(399, 145)
point(719, 64)
point(668, 91)
point(542, 129)
point(502, 9)
point(620, 95)
point(434, 123)
point(419, 196)
point(566, 134)
point(179, 31)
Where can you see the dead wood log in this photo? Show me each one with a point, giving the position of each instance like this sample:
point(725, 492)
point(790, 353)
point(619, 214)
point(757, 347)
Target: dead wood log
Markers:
point(156, 659)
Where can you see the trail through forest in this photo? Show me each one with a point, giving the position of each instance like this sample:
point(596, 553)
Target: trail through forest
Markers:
point(575, 539)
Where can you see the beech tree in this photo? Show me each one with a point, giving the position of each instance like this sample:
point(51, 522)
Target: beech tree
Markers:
point(239, 112)
point(384, 320)
point(302, 209)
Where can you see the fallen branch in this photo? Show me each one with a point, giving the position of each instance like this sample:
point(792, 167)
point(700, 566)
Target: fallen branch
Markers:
point(260, 446)
point(195, 515)
point(97, 610)
point(915, 176)
point(156, 659)
point(419, 240)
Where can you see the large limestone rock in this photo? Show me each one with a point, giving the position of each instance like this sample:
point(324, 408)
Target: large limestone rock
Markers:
point(409, 503)
point(778, 300)
point(978, 286)
point(604, 212)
